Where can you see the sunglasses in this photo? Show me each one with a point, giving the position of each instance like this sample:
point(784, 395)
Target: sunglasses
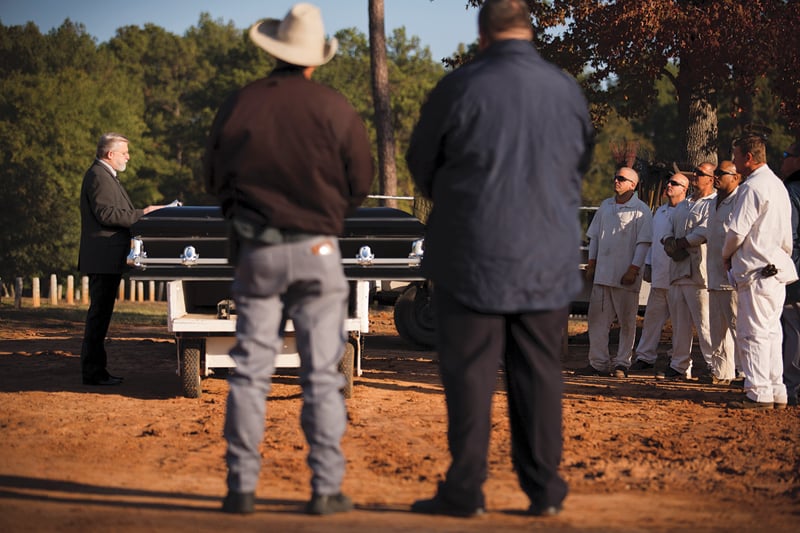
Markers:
point(788, 154)
point(697, 172)
point(720, 173)
point(675, 183)
point(622, 178)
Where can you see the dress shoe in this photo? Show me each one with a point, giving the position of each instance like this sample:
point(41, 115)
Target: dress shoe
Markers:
point(102, 381)
point(328, 504)
point(239, 502)
point(113, 377)
point(438, 506)
point(550, 510)
point(747, 403)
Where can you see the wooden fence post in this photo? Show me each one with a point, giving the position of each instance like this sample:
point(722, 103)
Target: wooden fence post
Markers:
point(140, 291)
point(70, 290)
point(121, 295)
point(85, 289)
point(53, 289)
point(18, 294)
point(37, 294)
point(151, 288)
point(133, 291)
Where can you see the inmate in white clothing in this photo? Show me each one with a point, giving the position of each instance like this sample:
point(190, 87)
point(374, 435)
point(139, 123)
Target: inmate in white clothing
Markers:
point(619, 236)
point(688, 294)
point(762, 217)
point(721, 296)
point(657, 311)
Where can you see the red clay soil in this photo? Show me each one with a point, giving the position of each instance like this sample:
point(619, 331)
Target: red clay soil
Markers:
point(639, 453)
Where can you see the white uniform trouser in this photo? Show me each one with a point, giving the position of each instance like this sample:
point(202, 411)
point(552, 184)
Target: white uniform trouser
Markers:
point(605, 305)
point(722, 326)
point(759, 334)
point(655, 317)
point(688, 305)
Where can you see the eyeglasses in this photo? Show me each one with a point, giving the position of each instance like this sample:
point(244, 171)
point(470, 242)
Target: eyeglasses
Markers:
point(697, 172)
point(788, 154)
point(675, 183)
point(720, 173)
point(622, 178)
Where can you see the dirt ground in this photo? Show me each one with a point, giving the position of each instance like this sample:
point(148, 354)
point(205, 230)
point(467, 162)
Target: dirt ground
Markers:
point(639, 454)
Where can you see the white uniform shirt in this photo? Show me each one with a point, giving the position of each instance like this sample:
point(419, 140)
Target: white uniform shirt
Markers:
point(762, 215)
point(690, 221)
point(719, 220)
point(615, 230)
point(657, 258)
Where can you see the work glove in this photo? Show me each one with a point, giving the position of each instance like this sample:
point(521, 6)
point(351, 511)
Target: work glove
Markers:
point(647, 275)
point(590, 268)
point(629, 277)
point(675, 248)
point(682, 243)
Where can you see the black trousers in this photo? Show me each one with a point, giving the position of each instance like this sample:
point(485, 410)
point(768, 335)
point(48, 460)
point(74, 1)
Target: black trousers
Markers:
point(102, 294)
point(470, 347)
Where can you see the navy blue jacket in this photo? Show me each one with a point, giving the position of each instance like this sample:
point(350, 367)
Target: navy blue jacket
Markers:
point(793, 187)
point(501, 147)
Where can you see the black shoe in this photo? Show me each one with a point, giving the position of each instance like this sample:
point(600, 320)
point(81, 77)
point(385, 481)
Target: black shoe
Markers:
point(670, 373)
point(551, 510)
point(438, 506)
point(620, 372)
point(102, 381)
point(328, 504)
point(114, 377)
point(239, 502)
point(747, 403)
point(641, 366)
point(589, 371)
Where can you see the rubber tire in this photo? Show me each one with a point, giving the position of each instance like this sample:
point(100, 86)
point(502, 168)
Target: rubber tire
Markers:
point(190, 370)
point(347, 368)
point(413, 316)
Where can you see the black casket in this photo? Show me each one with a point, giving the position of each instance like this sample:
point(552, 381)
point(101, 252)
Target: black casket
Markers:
point(187, 246)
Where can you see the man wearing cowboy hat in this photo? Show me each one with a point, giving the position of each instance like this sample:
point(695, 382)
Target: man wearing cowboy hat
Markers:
point(288, 158)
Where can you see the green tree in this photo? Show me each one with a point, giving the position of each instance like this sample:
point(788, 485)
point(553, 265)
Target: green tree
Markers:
point(50, 120)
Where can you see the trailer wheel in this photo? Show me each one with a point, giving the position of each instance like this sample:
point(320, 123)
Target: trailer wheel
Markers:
point(347, 368)
point(190, 370)
point(413, 315)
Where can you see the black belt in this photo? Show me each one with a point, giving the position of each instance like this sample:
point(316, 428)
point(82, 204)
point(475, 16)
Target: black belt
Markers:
point(269, 235)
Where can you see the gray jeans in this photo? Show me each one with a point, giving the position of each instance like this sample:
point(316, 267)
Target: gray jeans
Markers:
point(302, 281)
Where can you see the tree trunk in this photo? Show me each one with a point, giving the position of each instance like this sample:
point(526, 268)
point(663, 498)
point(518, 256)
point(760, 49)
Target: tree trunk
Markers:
point(387, 169)
point(697, 110)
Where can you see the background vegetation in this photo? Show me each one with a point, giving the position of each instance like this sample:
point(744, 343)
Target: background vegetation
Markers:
point(61, 90)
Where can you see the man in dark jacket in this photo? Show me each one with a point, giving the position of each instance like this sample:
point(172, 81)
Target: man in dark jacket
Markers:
point(288, 158)
point(501, 147)
point(790, 318)
point(107, 213)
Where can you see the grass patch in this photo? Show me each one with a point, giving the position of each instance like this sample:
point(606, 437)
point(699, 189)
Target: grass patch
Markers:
point(127, 313)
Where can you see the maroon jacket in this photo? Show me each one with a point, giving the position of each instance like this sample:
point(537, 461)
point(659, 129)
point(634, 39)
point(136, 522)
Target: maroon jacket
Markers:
point(288, 153)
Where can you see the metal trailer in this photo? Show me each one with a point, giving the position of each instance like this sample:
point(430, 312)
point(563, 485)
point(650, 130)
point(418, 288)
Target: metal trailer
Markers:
point(187, 247)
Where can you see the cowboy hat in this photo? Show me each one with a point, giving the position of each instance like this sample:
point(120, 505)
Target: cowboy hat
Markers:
point(298, 39)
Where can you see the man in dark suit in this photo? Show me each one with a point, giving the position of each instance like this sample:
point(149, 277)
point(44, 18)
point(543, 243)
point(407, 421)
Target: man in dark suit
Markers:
point(107, 213)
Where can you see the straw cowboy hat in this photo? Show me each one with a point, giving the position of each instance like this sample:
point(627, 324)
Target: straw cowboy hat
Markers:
point(298, 39)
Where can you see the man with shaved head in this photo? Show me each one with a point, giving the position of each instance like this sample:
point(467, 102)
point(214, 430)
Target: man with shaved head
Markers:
point(656, 271)
point(688, 291)
point(721, 296)
point(619, 238)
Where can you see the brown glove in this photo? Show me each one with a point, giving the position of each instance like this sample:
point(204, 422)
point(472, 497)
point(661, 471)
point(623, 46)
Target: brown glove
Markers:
point(629, 277)
point(670, 246)
point(590, 268)
point(673, 247)
point(647, 275)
